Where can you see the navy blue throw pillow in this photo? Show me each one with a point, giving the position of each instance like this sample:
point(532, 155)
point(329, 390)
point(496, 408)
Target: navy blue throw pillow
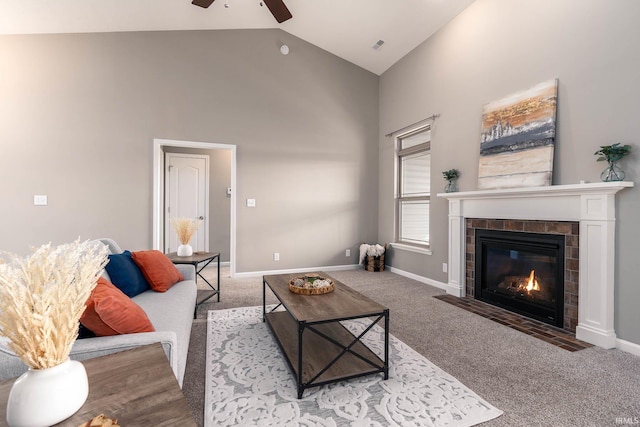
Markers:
point(125, 274)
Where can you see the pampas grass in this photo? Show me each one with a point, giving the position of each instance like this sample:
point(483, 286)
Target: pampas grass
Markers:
point(42, 297)
point(185, 228)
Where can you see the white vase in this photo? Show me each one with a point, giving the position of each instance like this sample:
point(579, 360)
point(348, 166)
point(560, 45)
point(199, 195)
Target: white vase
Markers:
point(185, 250)
point(43, 397)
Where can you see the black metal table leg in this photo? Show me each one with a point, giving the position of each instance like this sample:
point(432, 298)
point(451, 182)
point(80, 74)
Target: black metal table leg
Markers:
point(204, 258)
point(299, 379)
point(198, 271)
point(386, 344)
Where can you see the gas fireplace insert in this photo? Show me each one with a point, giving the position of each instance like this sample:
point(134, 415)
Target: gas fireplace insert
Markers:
point(521, 272)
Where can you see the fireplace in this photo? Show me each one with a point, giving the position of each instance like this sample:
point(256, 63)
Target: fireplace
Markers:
point(590, 206)
point(521, 272)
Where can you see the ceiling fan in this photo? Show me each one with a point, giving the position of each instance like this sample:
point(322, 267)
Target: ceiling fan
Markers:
point(277, 8)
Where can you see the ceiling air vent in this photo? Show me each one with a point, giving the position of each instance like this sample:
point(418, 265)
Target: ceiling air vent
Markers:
point(378, 44)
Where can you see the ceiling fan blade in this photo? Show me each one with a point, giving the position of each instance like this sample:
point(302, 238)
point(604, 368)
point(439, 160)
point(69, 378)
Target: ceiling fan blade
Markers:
point(203, 3)
point(278, 10)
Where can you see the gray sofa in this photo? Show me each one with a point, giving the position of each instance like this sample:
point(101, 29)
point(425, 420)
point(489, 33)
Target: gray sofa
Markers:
point(171, 314)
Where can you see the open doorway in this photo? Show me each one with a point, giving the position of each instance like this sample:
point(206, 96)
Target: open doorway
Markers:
point(225, 153)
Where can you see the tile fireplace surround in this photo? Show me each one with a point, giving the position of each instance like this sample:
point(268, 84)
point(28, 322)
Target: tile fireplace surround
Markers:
point(591, 205)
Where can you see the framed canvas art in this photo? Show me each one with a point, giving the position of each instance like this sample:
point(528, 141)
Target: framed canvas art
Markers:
point(518, 138)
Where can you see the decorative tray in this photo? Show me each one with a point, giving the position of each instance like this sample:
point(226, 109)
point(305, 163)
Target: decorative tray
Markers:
point(311, 284)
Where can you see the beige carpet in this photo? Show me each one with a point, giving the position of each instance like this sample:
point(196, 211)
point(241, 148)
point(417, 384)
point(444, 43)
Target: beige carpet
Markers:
point(534, 383)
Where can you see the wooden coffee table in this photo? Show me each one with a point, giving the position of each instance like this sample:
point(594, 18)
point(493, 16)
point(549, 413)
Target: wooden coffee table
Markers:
point(317, 347)
point(137, 387)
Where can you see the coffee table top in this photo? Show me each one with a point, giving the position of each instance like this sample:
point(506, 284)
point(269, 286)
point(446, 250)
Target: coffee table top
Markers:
point(342, 303)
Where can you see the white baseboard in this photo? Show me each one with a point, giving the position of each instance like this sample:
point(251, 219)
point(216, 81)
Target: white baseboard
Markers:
point(421, 279)
point(627, 346)
point(604, 339)
point(248, 274)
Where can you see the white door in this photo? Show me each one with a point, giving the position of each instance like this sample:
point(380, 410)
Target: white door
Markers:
point(187, 195)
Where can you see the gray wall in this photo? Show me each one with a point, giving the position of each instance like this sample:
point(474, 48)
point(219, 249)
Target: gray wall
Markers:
point(79, 112)
point(495, 48)
point(219, 201)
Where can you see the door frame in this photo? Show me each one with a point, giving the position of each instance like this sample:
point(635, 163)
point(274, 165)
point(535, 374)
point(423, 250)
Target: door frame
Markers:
point(158, 190)
point(205, 214)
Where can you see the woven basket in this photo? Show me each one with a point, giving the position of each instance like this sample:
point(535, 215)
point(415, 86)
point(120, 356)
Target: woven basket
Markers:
point(374, 263)
point(310, 291)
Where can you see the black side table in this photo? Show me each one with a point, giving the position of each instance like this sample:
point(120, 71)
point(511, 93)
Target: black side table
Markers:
point(196, 259)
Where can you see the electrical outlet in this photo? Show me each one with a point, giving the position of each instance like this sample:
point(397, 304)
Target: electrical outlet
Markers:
point(276, 256)
point(444, 267)
point(347, 252)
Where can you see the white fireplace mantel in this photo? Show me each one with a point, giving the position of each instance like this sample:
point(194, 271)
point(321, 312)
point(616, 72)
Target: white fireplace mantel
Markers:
point(591, 204)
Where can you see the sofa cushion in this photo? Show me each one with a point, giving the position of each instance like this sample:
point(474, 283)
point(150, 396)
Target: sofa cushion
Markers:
point(158, 269)
point(173, 311)
point(110, 312)
point(125, 274)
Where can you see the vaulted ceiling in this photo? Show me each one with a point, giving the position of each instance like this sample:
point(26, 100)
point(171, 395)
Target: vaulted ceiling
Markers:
point(346, 28)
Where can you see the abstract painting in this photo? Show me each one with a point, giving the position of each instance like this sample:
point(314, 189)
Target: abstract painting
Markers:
point(518, 137)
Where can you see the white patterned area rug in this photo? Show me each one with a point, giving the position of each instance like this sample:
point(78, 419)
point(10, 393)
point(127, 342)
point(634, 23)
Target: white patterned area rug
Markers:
point(248, 383)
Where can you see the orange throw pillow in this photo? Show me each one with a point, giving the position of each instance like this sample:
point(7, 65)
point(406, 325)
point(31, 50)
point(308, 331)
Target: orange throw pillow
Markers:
point(110, 312)
point(158, 269)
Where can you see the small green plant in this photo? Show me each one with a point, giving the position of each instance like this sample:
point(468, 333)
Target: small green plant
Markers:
point(613, 152)
point(451, 174)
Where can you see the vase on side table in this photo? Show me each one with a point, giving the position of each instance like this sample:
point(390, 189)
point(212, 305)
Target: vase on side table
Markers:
point(185, 250)
point(43, 397)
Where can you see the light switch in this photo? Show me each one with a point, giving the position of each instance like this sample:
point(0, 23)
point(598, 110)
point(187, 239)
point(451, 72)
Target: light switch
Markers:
point(40, 200)
point(251, 203)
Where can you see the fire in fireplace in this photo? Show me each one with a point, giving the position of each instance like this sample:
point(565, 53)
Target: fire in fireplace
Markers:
point(522, 272)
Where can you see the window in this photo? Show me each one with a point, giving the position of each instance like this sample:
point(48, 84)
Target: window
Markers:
point(414, 187)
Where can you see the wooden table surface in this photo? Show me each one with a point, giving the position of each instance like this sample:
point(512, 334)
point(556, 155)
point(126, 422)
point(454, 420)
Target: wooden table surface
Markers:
point(343, 302)
point(137, 387)
point(196, 258)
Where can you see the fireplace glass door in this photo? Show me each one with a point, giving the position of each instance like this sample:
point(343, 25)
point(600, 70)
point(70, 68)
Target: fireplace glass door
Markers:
point(522, 272)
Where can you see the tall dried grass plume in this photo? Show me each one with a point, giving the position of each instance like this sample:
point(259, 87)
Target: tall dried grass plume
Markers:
point(42, 297)
point(185, 228)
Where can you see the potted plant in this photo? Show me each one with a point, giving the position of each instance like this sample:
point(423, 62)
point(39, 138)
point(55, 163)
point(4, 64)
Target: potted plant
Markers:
point(612, 154)
point(451, 176)
point(42, 297)
point(185, 229)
